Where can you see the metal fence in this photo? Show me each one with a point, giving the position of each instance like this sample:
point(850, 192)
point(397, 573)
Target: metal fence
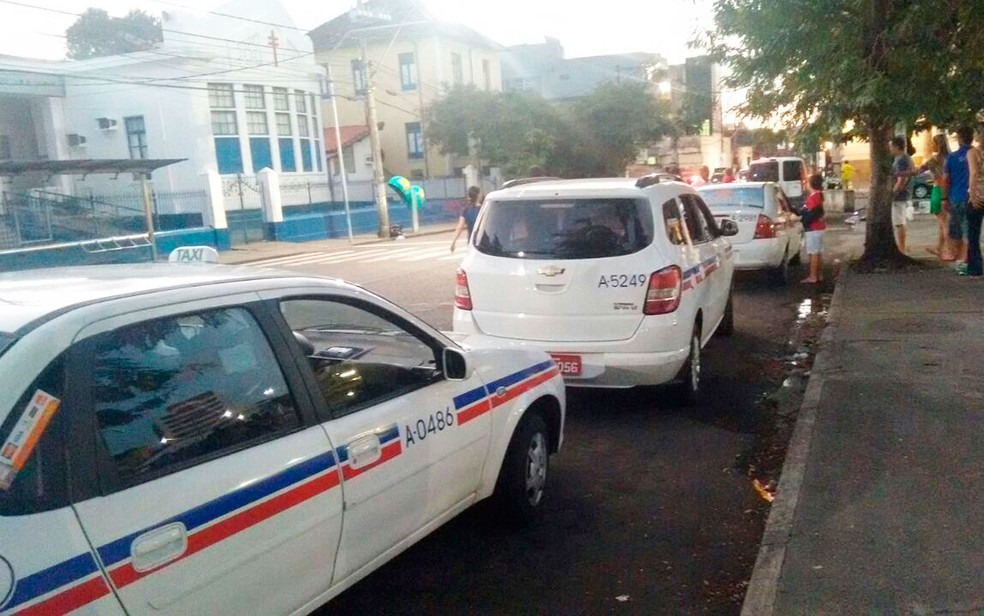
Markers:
point(42, 217)
point(244, 208)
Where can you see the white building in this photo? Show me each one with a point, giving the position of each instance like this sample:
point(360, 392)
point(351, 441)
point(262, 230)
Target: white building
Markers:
point(233, 95)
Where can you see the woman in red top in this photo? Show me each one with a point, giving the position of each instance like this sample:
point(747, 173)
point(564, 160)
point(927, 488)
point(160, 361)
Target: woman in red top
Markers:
point(813, 225)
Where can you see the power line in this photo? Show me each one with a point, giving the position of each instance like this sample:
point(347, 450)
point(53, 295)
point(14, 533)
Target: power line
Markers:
point(239, 17)
point(229, 62)
point(168, 30)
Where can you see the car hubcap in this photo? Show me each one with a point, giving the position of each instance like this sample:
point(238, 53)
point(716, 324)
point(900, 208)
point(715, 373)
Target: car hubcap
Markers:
point(695, 363)
point(536, 469)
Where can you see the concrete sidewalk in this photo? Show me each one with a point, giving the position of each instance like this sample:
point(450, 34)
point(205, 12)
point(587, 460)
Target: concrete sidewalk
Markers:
point(880, 507)
point(256, 251)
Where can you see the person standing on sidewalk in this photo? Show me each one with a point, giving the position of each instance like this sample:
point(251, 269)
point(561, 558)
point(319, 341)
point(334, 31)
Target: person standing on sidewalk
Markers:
point(902, 171)
point(813, 226)
point(975, 211)
point(956, 187)
point(468, 215)
point(941, 149)
point(702, 177)
point(847, 173)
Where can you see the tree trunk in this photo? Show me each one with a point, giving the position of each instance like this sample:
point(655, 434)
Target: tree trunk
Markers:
point(880, 249)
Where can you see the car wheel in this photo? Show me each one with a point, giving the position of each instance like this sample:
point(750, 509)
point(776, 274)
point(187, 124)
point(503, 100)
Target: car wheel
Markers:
point(920, 191)
point(779, 276)
point(523, 476)
point(688, 386)
point(727, 326)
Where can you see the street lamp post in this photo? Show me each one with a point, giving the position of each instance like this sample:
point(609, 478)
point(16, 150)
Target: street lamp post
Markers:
point(379, 186)
point(378, 182)
point(339, 153)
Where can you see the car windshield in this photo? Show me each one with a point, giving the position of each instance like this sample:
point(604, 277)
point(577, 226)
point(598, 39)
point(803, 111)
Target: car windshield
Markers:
point(750, 196)
point(764, 172)
point(564, 228)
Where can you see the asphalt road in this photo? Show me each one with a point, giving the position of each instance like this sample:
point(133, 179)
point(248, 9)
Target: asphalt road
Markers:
point(650, 507)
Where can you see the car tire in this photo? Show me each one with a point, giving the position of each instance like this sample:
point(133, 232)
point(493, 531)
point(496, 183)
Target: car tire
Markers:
point(727, 325)
point(523, 476)
point(687, 388)
point(779, 276)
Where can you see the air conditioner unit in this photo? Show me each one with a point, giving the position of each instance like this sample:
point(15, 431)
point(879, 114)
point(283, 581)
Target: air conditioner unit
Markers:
point(106, 123)
point(75, 140)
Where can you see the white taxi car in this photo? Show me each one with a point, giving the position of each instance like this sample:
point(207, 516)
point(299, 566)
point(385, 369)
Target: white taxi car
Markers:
point(179, 439)
point(770, 236)
point(622, 280)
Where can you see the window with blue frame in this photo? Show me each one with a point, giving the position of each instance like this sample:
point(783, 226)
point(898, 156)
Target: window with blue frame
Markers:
point(306, 159)
point(261, 153)
point(136, 137)
point(319, 154)
point(287, 160)
point(228, 155)
point(415, 140)
point(408, 71)
point(259, 146)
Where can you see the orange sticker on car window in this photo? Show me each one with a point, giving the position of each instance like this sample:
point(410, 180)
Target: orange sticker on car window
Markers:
point(16, 450)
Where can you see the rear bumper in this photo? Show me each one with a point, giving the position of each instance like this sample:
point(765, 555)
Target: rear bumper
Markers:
point(616, 364)
point(760, 254)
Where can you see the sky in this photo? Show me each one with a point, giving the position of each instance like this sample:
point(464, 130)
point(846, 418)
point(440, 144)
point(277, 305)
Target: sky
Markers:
point(615, 26)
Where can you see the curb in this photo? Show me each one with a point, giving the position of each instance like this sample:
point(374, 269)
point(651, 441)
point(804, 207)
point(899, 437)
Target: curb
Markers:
point(760, 598)
point(355, 242)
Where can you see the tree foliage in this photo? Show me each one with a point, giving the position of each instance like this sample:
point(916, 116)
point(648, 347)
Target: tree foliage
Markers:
point(594, 136)
point(870, 64)
point(96, 34)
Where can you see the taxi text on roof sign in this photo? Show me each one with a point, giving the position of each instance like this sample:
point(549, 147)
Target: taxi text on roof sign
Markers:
point(194, 254)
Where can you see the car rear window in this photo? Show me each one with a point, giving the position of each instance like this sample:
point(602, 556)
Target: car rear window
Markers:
point(792, 170)
point(564, 228)
point(743, 196)
point(765, 172)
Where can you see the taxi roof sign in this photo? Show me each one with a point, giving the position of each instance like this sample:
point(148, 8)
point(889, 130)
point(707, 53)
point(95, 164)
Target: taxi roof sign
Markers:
point(194, 254)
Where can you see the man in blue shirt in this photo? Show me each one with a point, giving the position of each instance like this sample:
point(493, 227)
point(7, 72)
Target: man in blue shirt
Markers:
point(902, 171)
point(956, 182)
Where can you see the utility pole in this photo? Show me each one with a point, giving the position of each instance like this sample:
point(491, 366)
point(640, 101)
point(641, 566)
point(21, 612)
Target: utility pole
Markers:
point(379, 186)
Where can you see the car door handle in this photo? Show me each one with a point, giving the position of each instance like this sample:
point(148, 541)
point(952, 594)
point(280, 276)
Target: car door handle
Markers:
point(161, 545)
point(363, 451)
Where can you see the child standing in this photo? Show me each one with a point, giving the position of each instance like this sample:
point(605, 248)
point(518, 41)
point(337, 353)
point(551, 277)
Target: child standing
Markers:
point(813, 225)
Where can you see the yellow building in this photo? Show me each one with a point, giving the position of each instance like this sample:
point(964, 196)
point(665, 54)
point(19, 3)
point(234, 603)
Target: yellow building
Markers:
point(411, 60)
point(859, 154)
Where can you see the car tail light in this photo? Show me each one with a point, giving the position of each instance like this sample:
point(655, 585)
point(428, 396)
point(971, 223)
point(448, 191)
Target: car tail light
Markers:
point(663, 294)
point(462, 296)
point(764, 228)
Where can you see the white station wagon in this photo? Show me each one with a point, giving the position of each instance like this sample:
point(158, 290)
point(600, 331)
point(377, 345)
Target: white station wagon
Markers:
point(770, 236)
point(192, 439)
point(622, 281)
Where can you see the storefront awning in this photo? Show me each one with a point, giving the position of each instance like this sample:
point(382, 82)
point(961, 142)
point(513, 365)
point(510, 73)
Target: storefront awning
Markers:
point(85, 166)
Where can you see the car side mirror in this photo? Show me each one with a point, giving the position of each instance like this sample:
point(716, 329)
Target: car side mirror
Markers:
point(728, 227)
point(455, 365)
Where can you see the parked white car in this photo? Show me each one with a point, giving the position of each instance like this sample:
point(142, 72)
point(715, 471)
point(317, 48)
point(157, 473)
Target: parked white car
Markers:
point(196, 439)
point(770, 236)
point(623, 281)
point(789, 172)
